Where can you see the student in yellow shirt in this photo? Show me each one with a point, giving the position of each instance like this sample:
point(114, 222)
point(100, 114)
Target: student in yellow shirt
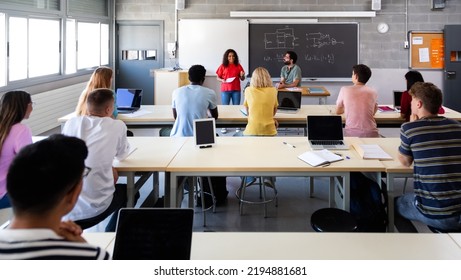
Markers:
point(261, 104)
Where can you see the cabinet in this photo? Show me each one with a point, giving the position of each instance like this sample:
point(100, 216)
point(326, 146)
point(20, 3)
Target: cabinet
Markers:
point(165, 82)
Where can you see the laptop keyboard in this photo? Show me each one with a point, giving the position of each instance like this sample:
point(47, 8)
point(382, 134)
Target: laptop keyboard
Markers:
point(327, 142)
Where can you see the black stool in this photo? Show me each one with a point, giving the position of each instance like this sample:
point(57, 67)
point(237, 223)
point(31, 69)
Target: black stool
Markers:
point(333, 220)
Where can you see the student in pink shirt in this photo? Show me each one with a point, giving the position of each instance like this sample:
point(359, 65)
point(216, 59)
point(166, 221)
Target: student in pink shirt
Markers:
point(359, 104)
point(15, 106)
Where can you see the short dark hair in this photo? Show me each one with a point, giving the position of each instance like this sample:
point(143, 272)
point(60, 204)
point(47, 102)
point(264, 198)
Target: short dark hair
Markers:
point(429, 94)
point(42, 173)
point(99, 98)
point(197, 74)
point(412, 77)
point(363, 72)
point(293, 56)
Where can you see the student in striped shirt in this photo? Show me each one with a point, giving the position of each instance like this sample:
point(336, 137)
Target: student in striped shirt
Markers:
point(44, 182)
point(433, 144)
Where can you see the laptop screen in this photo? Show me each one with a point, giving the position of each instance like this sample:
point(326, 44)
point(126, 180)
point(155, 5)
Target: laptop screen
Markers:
point(397, 98)
point(129, 98)
point(289, 99)
point(153, 234)
point(324, 128)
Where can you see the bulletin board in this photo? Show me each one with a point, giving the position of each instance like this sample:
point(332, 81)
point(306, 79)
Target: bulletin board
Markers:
point(426, 49)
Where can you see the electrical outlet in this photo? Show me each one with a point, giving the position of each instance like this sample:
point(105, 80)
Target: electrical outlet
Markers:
point(406, 45)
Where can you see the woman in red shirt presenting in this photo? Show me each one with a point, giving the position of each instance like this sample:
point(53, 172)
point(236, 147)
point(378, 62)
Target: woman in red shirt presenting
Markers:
point(230, 72)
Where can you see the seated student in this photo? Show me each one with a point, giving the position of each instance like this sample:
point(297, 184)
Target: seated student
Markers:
point(290, 75)
point(44, 182)
point(106, 139)
point(261, 104)
point(192, 102)
point(411, 78)
point(359, 104)
point(15, 106)
point(433, 144)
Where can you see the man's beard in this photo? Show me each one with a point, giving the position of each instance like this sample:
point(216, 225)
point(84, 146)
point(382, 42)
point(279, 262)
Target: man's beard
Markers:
point(287, 62)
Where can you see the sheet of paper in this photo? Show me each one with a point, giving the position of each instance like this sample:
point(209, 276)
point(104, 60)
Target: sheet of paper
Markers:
point(230, 80)
point(417, 41)
point(138, 113)
point(294, 89)
point(371, 151)
point(424, 55)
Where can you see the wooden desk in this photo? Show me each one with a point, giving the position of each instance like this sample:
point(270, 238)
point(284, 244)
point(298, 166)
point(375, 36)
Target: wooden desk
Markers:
point(318, 91)
point(262, 156)
point(310, 246)
point(153, 154)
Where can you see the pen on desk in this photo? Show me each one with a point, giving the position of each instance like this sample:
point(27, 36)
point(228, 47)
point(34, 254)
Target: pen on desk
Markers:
point(288, 144)
point(347, 157)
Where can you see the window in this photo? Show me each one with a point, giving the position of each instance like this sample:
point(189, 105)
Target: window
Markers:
point(93, 44)
point(38, 44)
point(33, 52)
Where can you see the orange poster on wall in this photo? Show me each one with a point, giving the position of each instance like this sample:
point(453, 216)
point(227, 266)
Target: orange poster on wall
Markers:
point(437, 53)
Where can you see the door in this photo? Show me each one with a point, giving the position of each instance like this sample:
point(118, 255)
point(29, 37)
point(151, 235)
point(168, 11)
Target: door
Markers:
point(139, 51)
point(452, 71)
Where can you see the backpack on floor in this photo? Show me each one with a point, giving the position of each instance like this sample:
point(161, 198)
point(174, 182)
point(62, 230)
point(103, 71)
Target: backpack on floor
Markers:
point(368, 203)
point(219, 189)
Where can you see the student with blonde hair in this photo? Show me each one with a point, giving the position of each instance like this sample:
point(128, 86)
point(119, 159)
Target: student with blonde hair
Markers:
point(101, 78)
point(261, 104)
point(15, 106)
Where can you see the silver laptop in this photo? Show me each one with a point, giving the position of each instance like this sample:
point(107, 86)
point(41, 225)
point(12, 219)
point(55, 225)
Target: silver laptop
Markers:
point(289, 102)
point(153, 234)
point(128, 100)
point(325, 132)
point(397, 99)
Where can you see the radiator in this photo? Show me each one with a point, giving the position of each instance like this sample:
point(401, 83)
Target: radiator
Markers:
point(51, 105)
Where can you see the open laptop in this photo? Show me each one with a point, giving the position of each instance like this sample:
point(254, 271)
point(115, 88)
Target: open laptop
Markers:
point(325, 132)
point(128, 100)
point(397, 99)
point(153, 234)
point(289, 102)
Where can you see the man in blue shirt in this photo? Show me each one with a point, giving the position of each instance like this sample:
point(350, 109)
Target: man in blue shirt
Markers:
point(192, 102)
point(433, 144)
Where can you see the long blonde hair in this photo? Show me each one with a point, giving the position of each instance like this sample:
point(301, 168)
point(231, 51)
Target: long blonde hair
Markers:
point(13, 109)
point(261, 78)
point(101, 78)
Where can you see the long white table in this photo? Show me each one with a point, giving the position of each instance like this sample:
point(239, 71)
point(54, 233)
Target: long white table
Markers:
point(263, 156)
point(311, 246)
point(157, 116)
point(152, 154)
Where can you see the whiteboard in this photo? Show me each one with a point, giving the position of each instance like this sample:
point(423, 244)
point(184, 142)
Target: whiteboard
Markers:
point(204, 41)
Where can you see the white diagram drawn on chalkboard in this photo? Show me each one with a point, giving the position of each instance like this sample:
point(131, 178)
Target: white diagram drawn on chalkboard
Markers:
point(327, 58)
point(318, 40)
point(283, 38)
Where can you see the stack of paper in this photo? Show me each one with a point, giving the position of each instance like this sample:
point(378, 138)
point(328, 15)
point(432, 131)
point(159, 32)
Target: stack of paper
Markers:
point(371, 151)
point(317, 158)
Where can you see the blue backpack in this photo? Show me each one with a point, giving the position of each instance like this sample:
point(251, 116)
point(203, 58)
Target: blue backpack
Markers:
point(368, 203)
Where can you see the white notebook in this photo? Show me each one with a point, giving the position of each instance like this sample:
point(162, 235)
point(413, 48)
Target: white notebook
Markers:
point(318, 158)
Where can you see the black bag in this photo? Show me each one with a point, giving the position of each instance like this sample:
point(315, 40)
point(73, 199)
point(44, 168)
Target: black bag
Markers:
point(368, 203)
point(219, 189)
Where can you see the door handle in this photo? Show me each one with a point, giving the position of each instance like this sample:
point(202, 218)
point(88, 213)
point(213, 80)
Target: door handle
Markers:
point(450, 74)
